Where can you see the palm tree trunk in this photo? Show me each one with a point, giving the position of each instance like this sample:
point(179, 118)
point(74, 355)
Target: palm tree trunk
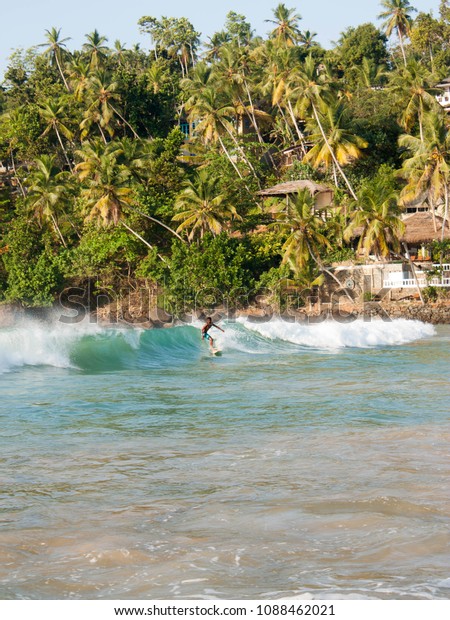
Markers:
point(55, 224)
point(73, 226)
point(286, 121)
point(16, 175)
point(420, 119)
point(153, 219)
point(347, 182)
point(335, 176)
point(252, 115)
point(180, 60)
point(252, 119)
point(125, 121)
point(233, 164)
point(400, 36)
point(327, 271)
point(63, 149)
point(241, 150)
point(301, 137)
point(445, 212)
point(138, 236)
point(102, 134)
point(433, 213)
point(229, 157)
point(192, 54)
point(62, 73)
point(254, 122)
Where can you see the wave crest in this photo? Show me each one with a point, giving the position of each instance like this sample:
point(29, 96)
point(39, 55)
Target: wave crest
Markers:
point(91, 347)
point(335, 335)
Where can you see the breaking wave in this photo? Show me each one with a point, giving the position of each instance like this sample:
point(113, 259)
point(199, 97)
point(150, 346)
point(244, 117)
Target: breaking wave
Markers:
point(91, 347)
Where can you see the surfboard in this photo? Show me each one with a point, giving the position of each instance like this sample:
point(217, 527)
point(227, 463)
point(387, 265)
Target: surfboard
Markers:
point(216, 352)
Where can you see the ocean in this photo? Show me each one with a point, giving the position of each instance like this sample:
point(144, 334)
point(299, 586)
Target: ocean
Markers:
point(308, 461)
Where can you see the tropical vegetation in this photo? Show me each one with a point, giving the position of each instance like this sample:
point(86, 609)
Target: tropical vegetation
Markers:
point(122, 166)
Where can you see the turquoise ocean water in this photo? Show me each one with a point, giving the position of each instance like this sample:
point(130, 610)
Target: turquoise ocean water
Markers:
point(307, 461)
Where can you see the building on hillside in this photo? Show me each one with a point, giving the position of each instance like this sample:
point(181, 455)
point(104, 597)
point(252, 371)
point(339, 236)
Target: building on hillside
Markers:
point(288, 156)
point(444, 97)
point(187, 129)
point(416, 268)
point(421, 229)
point(417, 205)
point(323, 195)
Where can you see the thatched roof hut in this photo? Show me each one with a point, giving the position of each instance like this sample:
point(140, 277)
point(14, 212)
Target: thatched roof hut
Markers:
point(420, 228)
point(323, 194)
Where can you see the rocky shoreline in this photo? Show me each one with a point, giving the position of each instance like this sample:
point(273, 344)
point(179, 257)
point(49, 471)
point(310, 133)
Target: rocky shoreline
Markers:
point(437, 313)
point(434, 313)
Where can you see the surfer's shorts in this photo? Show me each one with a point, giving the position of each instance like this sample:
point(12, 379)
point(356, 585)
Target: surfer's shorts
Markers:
point(206, 337)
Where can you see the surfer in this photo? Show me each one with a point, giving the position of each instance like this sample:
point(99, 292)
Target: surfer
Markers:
point(205, 329)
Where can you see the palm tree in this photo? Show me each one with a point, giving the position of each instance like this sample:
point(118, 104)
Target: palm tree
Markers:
point(95, 48)
point(215, 44)
point(412, 85)
point(51, 111)
point(79, 76)
point(340, 140)
point(397, 17)
point(12, 119)
point(427, 169)
point(157, 76)
point(47, 186)
point(89, 156)
point(93, 116)
point(214, 116)
point(378, 216)
point(278, 68)
point(298, 219)
point(202, 208)
point(119, 50)
point(107, 188)
point(312, 90)
point(286, 31)
point(305, 230)
point(231, 104)
point(55, 50)
point(369, 74)
point(135, 155)
point(307, 39)
point(103, 93)
point(107, 185)
point(230, 71)
point(199, 78)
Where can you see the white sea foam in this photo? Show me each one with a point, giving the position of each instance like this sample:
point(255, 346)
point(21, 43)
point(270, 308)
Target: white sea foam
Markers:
point(38, 343)
point(335, 335)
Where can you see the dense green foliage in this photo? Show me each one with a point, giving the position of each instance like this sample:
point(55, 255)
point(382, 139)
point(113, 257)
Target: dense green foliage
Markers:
point(119, 164)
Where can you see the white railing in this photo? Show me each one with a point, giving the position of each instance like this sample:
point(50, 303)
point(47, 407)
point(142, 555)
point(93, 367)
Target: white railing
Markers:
point(421, 281)
point(405, 283)
point(395, 279)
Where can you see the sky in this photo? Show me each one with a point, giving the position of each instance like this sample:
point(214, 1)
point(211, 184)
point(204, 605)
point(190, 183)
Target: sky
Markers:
point(23, 22)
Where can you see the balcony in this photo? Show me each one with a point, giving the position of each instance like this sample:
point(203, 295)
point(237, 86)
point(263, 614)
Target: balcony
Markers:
point(400, 279)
